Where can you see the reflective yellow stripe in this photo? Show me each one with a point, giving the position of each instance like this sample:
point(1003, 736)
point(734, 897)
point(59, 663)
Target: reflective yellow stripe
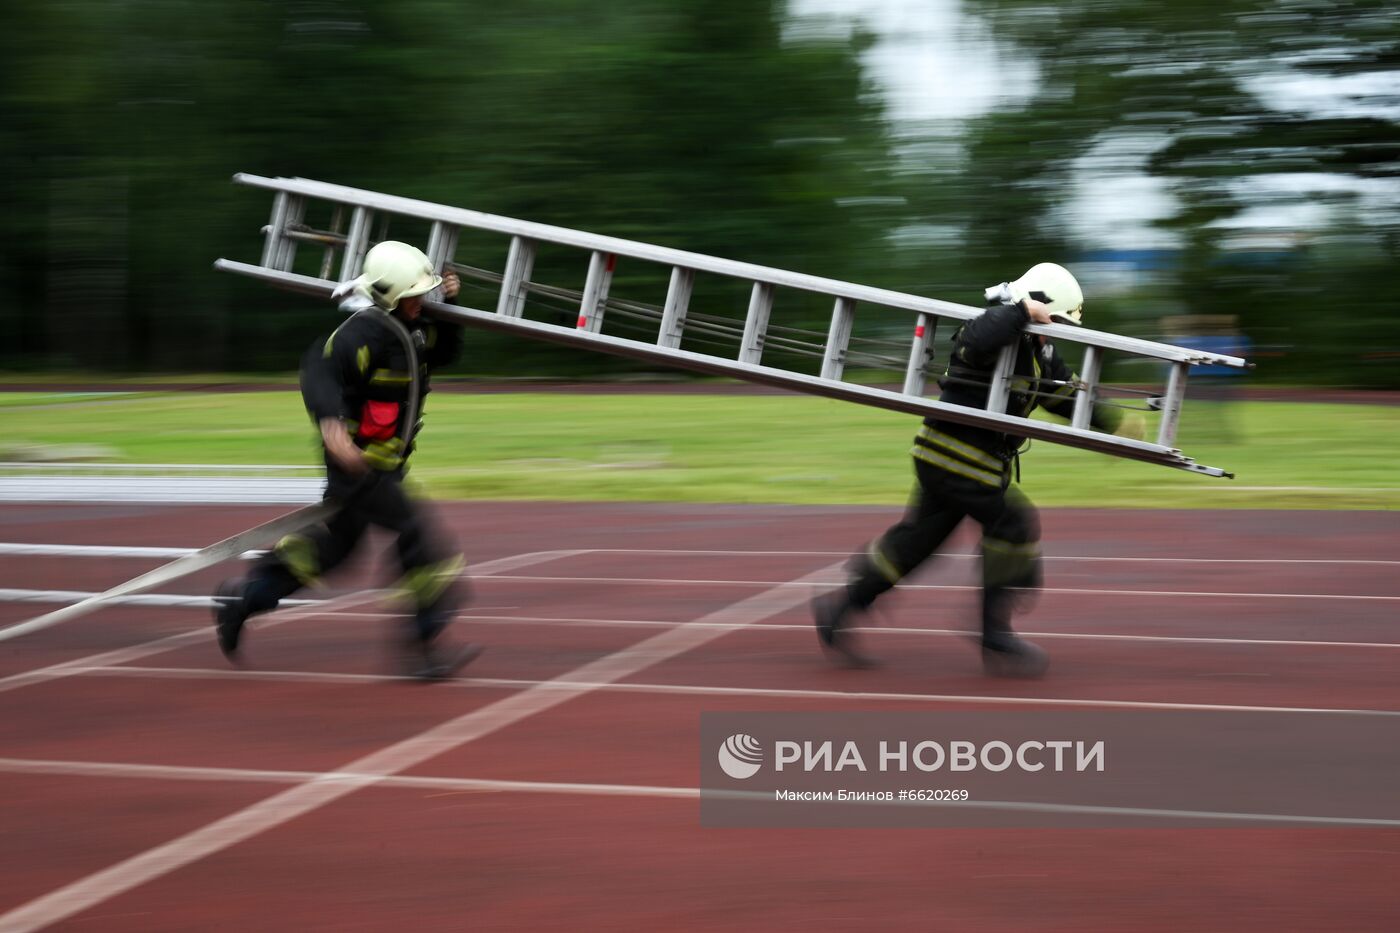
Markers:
point(956, 466)
point(331, 339)
point(953, 445)
point(1006, 547)
point(425, 585)
point(385, 456)
point(362, 358)
point(298, 555)
point(882, 563)
point(1008, 564)
point(388, 376)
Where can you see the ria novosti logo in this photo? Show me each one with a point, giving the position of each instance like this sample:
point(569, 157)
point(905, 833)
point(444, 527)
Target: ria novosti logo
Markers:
point(740, 756)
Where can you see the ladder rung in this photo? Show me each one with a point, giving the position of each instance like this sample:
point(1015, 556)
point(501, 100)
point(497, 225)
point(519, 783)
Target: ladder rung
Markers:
point(442, 246)
point(285, 251)
point(842, 318)
point(520, 261)
point(919, 355)
point(677, 307)
point(999, 391)
point(595, 291)
point(1084, 400)
point(356, 243)
point(328, 257)
point(1172, 401)
point(756, 323)
point(275, 225)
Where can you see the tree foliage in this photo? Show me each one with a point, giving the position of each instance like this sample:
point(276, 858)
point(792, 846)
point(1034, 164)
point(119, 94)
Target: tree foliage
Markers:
point(1191, 81)
point(694, 125)
point(708, 126)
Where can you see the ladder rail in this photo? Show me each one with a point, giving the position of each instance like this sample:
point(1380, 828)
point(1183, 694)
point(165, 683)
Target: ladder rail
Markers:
point(767, 375)
point(667, 256)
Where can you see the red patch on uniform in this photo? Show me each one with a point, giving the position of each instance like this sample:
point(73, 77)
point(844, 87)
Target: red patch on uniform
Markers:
point(378, 421)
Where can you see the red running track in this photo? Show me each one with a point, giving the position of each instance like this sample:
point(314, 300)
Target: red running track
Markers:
point(149, 786)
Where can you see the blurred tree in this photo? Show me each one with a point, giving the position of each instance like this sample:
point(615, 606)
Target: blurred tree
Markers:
point(1196, 81)
point(706, 126)
point(695, 125)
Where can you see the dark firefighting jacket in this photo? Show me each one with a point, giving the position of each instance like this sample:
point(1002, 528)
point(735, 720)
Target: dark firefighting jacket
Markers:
point(360, 374)
point(1039, 377)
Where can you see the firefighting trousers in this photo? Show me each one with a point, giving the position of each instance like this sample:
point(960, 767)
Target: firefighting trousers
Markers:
point(1010, 547)
point(428, 566)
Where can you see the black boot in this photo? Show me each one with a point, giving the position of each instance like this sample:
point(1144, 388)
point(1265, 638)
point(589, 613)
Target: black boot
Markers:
point(230, 612)
point(1004, 653)
point(440, 663)
point(265, 587)
point(832, 614)
point(429, 661)
point(425, 658)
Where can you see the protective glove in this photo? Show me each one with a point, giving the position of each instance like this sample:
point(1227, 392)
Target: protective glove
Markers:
point(1007, 293)
point(387, 455)
point(1133, 426)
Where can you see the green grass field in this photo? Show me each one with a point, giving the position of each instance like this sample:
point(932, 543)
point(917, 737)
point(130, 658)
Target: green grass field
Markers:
point(733, 448)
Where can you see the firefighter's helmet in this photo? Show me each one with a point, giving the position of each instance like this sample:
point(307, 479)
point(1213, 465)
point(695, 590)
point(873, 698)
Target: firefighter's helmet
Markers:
point(1057, 288)
point(394, 271)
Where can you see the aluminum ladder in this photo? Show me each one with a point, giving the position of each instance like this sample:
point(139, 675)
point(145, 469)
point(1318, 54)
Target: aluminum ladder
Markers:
point(287, 229)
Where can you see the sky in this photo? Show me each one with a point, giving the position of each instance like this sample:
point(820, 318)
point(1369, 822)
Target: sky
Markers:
point(936, 64)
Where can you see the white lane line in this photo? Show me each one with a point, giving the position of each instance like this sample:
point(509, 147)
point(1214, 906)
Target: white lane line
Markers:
point(19, 549)
point(205, 633)
point(311, 795)
point(151, 600)
point(114, 769)
point(967, 555)
point(177, 600)
point(899, 630)
point(162, 600)
point(200, 673)
point(104, 769)
point(170, 642)
point(653, 581)
point(214, 554)
point(102, 550)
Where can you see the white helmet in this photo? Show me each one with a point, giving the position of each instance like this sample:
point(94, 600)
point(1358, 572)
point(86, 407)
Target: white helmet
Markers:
point(1056, 287)
point(395, 270)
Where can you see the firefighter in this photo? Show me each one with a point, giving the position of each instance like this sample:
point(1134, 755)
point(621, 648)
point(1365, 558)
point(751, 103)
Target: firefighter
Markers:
point(965, 471)
point(364, 387)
